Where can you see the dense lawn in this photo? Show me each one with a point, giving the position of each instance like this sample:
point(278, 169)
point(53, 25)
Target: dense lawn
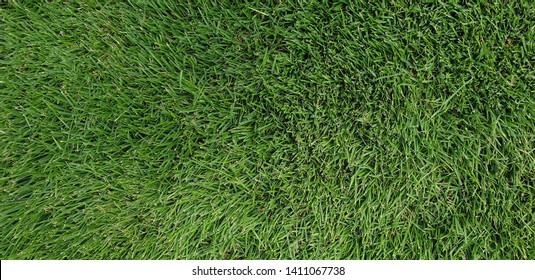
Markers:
point(267, 129)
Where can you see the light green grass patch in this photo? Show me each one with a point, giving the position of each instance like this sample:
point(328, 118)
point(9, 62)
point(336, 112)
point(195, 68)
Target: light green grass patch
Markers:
point(267, 130)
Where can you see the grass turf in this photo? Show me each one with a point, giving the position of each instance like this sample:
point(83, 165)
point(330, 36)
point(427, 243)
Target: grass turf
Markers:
point(267, 129)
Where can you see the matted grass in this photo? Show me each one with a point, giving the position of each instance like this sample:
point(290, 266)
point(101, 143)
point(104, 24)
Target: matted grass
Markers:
point(267, 129)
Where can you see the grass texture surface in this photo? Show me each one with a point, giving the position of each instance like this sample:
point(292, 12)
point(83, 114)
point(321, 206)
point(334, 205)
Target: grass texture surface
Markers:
point(267, 129)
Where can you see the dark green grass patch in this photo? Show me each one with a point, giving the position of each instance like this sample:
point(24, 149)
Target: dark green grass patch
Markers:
point(267, 130)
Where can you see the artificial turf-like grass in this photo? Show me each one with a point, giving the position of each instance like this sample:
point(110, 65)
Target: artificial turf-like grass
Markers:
point(267, 130)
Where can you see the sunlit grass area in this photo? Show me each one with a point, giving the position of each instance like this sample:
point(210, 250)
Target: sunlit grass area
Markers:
point(267, 129)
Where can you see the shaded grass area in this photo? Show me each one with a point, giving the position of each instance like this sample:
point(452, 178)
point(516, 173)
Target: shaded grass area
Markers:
point(267, 130)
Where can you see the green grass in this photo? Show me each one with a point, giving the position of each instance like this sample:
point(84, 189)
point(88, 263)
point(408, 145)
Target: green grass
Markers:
point(267, 129)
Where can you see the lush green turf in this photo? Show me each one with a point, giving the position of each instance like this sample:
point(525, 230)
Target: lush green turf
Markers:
point(267, 129)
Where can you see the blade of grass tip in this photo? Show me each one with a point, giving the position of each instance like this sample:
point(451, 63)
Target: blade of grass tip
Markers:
point(445, 103)
point(260, 12)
